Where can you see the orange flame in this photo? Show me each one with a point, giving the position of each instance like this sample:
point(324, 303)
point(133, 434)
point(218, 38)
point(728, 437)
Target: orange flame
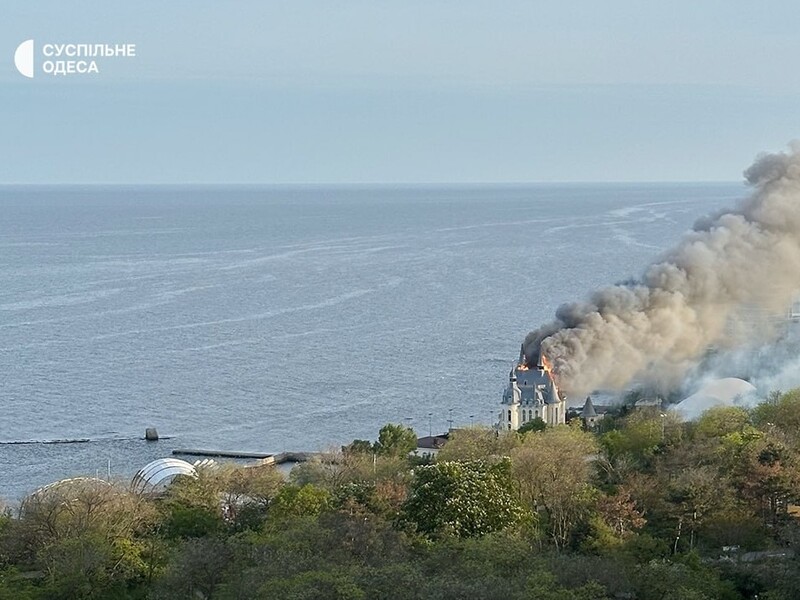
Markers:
point(548, 367)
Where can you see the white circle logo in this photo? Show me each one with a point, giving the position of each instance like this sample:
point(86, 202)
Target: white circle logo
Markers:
point(23, 58)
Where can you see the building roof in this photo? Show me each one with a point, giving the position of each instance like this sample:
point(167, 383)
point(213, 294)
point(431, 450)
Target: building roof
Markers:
point(588, 411)
point(432, 442)
point(160, 473)
point(729, 391)
point(533, 385)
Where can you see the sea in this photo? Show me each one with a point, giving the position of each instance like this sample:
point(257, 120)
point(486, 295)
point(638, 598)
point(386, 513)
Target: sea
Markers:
point(292, 318)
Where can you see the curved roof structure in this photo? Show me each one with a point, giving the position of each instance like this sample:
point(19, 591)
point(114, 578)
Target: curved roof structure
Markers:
point(63, 490)
point(730, 391)
point(158, 474)
point(71, 481)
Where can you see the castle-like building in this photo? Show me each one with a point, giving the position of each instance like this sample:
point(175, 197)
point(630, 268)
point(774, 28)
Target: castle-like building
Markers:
point(531, 393)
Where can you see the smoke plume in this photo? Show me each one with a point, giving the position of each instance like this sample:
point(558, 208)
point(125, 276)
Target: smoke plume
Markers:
point(733, 276)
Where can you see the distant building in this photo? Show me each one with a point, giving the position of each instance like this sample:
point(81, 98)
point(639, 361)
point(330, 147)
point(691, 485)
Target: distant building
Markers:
point(649, 402)
point(591, 414)
point(531, 393)
point(431, 444)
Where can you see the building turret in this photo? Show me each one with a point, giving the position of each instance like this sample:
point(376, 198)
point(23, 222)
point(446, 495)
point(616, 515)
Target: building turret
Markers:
point(552, 391)
point(588, 411)
point(589, 414)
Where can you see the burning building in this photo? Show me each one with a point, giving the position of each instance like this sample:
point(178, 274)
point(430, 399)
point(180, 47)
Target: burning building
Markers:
point(531, 393)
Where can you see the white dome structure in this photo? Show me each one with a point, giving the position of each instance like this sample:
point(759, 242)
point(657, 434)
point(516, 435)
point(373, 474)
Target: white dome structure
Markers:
point(729, 391)
point(157, 475)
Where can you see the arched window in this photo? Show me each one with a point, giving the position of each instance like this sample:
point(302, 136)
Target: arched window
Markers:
point(509, 415)
point(537, 414)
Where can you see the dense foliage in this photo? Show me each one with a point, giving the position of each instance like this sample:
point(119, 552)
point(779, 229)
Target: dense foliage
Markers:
point(643, 507)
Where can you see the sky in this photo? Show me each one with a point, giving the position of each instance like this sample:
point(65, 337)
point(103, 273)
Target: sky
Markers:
point(401, 91)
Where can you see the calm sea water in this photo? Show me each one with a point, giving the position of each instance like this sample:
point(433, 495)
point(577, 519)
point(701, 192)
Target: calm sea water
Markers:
point(270, 319)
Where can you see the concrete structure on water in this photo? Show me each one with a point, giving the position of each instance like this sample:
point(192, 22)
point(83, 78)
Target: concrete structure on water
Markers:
point(531, 393)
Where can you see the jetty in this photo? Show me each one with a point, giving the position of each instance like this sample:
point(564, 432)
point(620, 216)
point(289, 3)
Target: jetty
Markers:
point(265, 457)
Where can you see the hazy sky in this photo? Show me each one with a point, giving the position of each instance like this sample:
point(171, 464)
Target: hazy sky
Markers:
point(402, 91)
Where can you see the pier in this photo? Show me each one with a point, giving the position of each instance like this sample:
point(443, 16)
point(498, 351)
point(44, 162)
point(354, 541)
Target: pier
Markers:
point(277, 458)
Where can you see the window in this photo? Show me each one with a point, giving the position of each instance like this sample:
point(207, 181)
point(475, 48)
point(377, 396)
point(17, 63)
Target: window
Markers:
point(509, 416)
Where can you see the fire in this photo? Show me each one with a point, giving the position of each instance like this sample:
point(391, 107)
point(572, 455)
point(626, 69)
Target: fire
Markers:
point(545, 365)
point(548, 367)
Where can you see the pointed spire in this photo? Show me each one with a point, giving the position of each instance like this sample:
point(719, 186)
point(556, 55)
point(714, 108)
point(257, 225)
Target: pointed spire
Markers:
point(540, 364)
point(522, 360)
point(588, 411)
point(552, 391)
point(512, 376)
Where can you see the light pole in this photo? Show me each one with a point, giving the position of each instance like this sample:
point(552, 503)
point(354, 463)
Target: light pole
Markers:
point(430, 424)
point(449, 419)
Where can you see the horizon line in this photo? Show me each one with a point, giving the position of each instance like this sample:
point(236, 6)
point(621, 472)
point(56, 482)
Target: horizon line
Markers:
point(368, 183)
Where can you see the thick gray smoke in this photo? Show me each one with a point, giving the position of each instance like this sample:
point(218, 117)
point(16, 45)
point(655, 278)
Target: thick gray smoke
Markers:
point(733, 276)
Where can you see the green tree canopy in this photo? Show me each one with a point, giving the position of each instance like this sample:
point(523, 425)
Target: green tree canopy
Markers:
point(396, 440)
point(536, 424)
point(553, 469)
point(465, 499)
point(478, 443)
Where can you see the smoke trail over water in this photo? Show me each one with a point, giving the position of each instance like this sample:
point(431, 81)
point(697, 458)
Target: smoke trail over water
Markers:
point(730, 266)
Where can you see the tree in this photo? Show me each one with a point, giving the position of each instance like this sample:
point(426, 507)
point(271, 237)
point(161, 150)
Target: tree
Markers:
point(86, 535)
point(396, 440)
point(620, 513)
point(478, 443)
point(192, 507)
point(721, 420)
point(781, 412)
point(197, 570)
point(553, 469)
point(536, 424)
point(465, 499)
point(296, 501)
point(245, 493)
point(358, 447)
point(335, 469)
point(767, 474)
point(640, 435)
point(694, 493)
